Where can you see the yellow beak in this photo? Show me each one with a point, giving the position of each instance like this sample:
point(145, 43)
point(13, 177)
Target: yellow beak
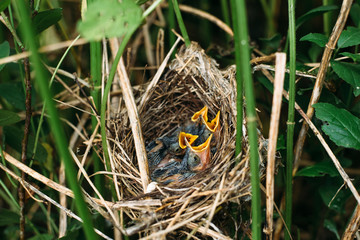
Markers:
point(203, 112)
point(186, 139)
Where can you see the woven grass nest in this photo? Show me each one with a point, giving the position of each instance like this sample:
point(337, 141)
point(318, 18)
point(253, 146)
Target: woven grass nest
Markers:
point(192, 81)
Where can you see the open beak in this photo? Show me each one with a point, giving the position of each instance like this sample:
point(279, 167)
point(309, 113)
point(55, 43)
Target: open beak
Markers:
point(186, 139)
point(203, 152)
point(202, 113)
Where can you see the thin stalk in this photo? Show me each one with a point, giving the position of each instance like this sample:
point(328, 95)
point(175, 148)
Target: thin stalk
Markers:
point(291, 115)
point(55, 123)
point(181, 23)
point(269, 18)
point(239, 83)
point(171, 22)
point(95, 71)
point(44, 105)
point(241, 24)
point(327, 18)
point(226, 16)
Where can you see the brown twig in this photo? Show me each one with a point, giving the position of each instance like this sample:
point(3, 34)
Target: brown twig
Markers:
point(24, 144)
point(273, 134)
point(329, 48)
point(353, 225)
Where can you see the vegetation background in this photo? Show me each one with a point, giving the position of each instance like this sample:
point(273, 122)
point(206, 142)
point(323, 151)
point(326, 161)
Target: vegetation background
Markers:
point(322, 205)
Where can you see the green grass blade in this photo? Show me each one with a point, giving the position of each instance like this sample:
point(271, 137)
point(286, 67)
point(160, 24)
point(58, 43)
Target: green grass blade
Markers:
point(181, 23)
point(239, 9)
point(55, 123)
point(291, 116)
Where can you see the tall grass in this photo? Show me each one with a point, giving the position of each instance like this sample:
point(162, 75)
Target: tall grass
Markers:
point(291, 115)
point(55, 123)
point(245, 76)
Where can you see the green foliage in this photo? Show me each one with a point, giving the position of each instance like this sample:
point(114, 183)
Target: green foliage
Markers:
point(318, 38)
point(333, 194)
point(332, 227)
point(46, 19)
point(8, 217)
point(348, 72)
point(14, 136)
point(349, 37)
point(110, 18)
point(4, 4)
point(8, 117)
point(13, 92)
point(341, 126)
point(355, 13)
point(314, 12)
point(354, 57)
point(318, 170)
point(4, 52)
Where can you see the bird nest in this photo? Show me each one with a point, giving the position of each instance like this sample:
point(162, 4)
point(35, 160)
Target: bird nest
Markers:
point(192, 81)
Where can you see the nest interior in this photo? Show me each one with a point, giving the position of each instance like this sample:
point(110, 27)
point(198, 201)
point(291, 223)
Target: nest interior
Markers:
point(192, 81)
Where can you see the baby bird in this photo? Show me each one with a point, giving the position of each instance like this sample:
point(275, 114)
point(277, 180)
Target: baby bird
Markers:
point(196, 158)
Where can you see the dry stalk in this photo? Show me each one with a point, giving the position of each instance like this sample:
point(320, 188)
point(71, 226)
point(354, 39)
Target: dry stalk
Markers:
point(205, 15)
point(134, 118)
point(273, 134)
point(329, 48)
point(353, 226)
point(44, 49)
point(57, 187)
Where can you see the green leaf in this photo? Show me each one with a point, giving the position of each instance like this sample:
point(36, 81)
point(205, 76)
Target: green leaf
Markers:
point(46, 19)
point(319, 170)
point(331, 194)
point(355, 14)
point(4, 4)
point(14, 136)
point(350, 73)
point(314, 12)
point(8, 117)
point(110, 18)
point(4, 52)
point(330, 225)
point(318, 38)
point(349, 37)
point(354, 57)
point(8, 217)
point(342, 127)
point(13, 92)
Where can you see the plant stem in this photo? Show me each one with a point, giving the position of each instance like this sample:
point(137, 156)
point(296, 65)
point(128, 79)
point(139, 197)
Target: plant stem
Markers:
point(269, 18)
point(226, 16)
point(171, 22)
point(55, 123)
point(239, 10)
point(291, 116)
point(95, 71)
point(181, 23)
point(239, 83)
